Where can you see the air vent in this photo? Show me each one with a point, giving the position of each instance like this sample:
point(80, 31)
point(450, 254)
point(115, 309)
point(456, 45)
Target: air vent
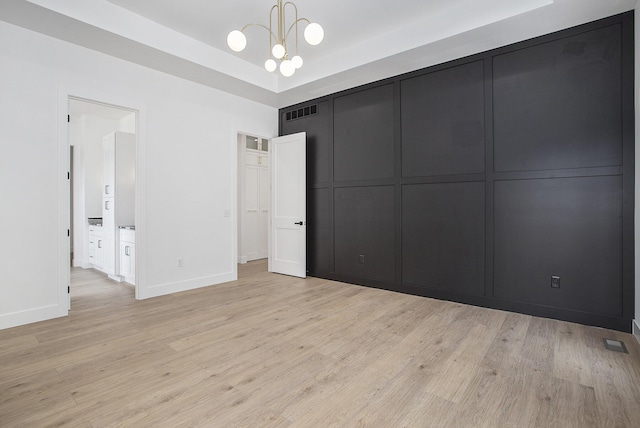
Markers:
point(302, 112)
point(615, 345)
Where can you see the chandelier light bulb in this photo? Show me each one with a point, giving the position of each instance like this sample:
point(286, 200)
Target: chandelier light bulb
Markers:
point(297, 61)
point(287, 68)
point(270, 65)
point(278, 51)
point(236, 41)
point(313, 34)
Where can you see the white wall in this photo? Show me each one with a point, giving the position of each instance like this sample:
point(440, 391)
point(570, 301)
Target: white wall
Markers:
point(187, 152)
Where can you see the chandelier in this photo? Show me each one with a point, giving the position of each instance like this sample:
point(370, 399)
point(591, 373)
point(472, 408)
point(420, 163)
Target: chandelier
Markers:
point(281, 47)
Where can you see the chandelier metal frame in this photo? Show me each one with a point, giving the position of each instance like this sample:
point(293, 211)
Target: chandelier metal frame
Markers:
point(278, 41)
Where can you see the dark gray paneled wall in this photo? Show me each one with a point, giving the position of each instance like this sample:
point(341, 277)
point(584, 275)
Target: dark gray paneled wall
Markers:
point(443, 236)
point(480, 179)
point(363, 138)
point(443, 118)
point(569, 227)
point(558, 105)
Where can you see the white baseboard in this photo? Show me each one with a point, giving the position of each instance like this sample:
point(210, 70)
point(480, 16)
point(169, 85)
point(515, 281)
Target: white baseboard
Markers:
point(116, 278)
point(636, 330)
point(81, 263)
point(29, 316)
point(176, 287)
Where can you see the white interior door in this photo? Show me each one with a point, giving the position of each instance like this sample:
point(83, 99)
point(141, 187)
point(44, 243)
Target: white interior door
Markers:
point(252, 204)
point(265, 200)
point(288, 229)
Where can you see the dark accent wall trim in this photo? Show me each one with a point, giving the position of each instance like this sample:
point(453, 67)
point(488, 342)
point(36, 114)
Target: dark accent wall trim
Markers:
point(478, 179)
point(585, 318)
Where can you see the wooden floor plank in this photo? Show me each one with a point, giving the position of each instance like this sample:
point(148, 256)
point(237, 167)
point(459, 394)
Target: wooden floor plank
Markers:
point(570, 363)
point(276, 351)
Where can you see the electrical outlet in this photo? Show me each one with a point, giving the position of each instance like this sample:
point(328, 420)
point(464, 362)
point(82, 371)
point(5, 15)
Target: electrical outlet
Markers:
point(180, 262)
point(361, 258)
point(555, 281)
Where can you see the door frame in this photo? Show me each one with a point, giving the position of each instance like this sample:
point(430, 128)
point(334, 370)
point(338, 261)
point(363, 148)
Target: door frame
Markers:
point(95, 95)
point(240, 204)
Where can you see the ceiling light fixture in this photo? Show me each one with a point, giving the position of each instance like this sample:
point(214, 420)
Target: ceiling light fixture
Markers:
point(279, 48)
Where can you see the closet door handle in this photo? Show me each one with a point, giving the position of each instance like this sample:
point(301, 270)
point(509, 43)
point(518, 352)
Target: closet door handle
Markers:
point(106, 205)
point(106, 189)
point(99, 243)
point(300, 223)
point(126, 250)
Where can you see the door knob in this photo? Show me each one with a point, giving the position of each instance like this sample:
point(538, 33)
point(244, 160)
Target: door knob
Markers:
point(299, 223)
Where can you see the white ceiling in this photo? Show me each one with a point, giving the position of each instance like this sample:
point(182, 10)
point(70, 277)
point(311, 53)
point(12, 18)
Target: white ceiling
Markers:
point(356, 31)
point(347, 23)
point(364, 40)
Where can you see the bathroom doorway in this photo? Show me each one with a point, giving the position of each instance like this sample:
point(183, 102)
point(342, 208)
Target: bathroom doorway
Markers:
point(93, 130)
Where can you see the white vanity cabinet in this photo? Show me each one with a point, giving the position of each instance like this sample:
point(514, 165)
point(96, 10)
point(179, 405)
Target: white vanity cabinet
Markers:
point(128, 255)
point(118, 195)
point(96, 247)
point(108, 228)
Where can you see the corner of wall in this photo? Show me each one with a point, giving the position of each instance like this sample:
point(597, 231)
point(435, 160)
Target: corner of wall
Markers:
point(635, 329)
point(637, 172)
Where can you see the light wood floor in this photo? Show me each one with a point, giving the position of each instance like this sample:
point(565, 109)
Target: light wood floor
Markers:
point(276, 351)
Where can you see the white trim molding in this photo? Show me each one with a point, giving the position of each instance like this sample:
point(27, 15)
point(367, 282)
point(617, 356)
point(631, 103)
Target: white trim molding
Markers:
point(176, 287)
point(29, 316)
point(81, 264)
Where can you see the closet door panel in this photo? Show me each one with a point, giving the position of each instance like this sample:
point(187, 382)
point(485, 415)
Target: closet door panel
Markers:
point(559, 104)
point(263, 214)
point(364, 232)
point(566, 227)
point(252, 205)
point(443, 236)
point(320, 254)
point(443, 122)
point(364, 135)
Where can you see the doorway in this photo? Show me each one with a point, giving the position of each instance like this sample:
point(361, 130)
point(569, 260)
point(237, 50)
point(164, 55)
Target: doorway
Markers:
point(253, 197)
point(102, 140)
